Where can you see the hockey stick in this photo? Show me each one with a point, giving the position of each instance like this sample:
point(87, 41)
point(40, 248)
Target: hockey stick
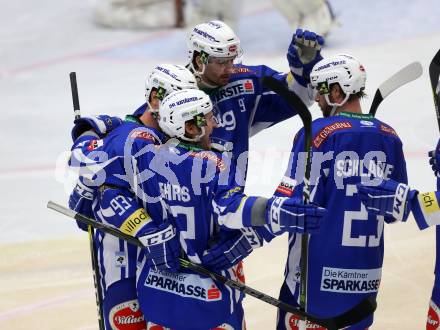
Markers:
point(356, 314)
point(90, 230)
point(434, 76)
point(403, 76)
point(294, 101)
point(359, 312)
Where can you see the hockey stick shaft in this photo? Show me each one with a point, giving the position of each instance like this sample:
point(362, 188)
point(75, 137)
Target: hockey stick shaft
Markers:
point(296, 103)
point(434, 76)
point(405, 75)
point(75, 98)
point(90, 230)
point(331, 323)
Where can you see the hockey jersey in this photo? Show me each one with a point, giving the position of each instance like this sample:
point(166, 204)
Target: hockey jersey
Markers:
point(345, 257)
point(197, 192)
point(106, 163)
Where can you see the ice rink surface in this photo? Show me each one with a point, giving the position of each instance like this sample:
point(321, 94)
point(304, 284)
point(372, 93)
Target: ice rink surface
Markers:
point(45, 276)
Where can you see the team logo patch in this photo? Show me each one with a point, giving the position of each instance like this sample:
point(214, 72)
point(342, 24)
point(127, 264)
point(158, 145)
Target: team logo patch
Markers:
point(120, 259)
point(387, 130)
point(93, 144)
point(293, 322)
point(142, 135)
point(127, 316)
point(184, 285)
point(287, 186)
point(243, 70)
point(210, 156)
point(224, 326)
point(239, 272)
point(433, 320)
point(329, 130)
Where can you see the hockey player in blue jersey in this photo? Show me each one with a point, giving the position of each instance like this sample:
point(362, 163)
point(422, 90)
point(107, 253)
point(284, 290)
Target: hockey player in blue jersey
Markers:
point(243, 106)
point(345, 257)
point(396, 200)
point(183, 182)
point(117, 259)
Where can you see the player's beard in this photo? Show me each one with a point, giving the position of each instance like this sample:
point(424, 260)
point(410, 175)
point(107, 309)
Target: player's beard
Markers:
point(326, 111)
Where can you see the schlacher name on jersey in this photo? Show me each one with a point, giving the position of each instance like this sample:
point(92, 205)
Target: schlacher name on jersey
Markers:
point(235, 88)
point(184, 285)
point(350, 280)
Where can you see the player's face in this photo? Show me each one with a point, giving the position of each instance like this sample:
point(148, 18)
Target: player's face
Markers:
point(322, 102)
point(218, 70)
point(154, 100)
point(211, 123)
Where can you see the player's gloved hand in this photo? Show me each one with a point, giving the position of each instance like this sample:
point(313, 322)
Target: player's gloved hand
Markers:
point(81, 199)
point(101, 125)
point(303, 53)
point(232, 247)
point(162, 248)
point(390, 199)
point(292, 215)
point(434, 159)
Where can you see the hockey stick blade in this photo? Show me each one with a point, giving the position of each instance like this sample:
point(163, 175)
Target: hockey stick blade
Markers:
point(434, 76)
point(358, 313)
point(403, 76)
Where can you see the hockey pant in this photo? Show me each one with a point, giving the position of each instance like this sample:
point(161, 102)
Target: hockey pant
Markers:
point(121, 308)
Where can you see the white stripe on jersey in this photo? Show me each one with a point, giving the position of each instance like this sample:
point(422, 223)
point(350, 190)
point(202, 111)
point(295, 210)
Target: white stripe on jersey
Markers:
point(293, 263)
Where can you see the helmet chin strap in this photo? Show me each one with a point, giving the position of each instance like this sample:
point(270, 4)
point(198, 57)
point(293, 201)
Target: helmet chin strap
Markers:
point(197, 138)
point(335, 105)
point(199, 77)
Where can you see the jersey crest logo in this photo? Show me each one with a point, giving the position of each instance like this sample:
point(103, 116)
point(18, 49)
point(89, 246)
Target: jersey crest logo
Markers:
point(142, 135)
point(387, 130)
point(329, 130)
point(242, 70)
point(211, 157)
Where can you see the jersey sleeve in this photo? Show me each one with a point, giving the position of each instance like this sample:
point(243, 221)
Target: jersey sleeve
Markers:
point(118, 208)
point(426, 209)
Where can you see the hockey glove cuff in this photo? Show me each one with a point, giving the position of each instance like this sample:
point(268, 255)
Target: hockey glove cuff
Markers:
point(101, 125)
point(163, 248)
point(292, 215)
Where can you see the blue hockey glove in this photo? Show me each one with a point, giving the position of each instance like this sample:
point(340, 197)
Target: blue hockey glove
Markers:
point(101, 125)
point(231, 248)
point(434, 160)
point(303, 53)
point(162, 248)
point(81, 199)
point(292, 215)
point(390, 199)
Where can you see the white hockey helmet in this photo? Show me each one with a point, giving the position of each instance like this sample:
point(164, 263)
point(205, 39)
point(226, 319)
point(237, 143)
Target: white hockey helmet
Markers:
point(181, 106)
point(167, 78)
point(213, 38)
point(343, 69)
